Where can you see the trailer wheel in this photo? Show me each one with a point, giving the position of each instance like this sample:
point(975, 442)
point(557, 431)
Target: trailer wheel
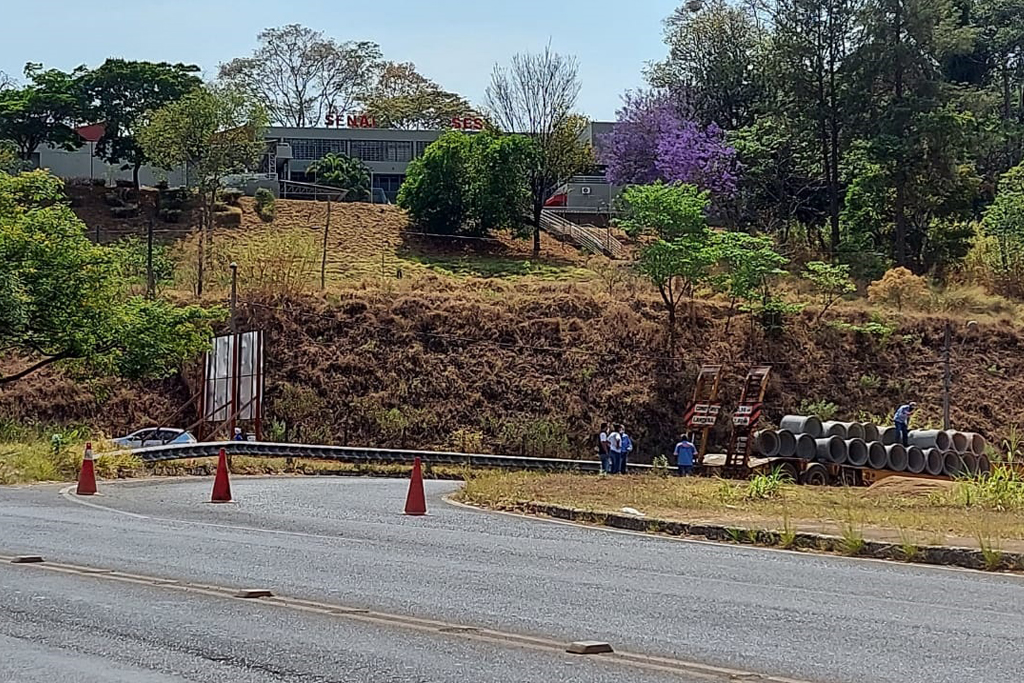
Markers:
point(815, 475)
point(787, 471)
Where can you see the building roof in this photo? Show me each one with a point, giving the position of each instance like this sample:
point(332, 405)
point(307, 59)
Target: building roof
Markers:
point(93, 132)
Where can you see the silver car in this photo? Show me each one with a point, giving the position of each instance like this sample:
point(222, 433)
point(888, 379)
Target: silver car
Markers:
point(154, 436)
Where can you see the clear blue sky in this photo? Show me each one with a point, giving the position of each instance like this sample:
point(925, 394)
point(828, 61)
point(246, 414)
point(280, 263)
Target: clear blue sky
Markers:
point(455, 42)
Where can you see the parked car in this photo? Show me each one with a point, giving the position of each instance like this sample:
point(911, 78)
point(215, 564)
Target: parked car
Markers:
point(154, 436)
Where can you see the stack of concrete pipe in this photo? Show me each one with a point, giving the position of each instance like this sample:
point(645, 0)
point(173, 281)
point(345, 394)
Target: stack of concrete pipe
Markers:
point(933, 452)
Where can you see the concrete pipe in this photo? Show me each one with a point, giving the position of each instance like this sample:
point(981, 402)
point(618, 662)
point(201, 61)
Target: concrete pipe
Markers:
point(933, 462)
point(896, 458)
point(889, 436)
point(787, 443)
point(952, 464)
point(976, 443)
point(984, 466)
point(878, 457)
point(916, 460)
point(831, 449)
point(871, 432)
point(806, 448)
point(856, 452)
point(959, 441)
point(854, 430)
point(834, 429)
point(970, 461)
point(801, 424)
point(930, 438)
point(766, 442)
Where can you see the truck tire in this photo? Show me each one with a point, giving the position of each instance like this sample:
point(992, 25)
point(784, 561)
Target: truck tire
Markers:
point(815, 475)
point(788, 472)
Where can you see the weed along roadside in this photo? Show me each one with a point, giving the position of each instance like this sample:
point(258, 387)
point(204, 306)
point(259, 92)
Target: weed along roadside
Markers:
point(944, 525)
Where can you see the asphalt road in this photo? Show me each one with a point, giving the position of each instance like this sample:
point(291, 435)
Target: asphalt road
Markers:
point(343, 541)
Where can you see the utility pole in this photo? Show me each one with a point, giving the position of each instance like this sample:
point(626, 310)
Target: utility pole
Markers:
point(150, 281)
point(323, 257)
point(946, 380)
point(234, 297)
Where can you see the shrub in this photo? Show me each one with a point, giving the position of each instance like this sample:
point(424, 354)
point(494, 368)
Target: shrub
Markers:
point(170, 215)
point(230, 217)
point(231, 196)
point(112, 200)
point(266, 204)
point(128, 211)
point(823, 410)
point(899, 287)
point(126, 184)
point(220, 207)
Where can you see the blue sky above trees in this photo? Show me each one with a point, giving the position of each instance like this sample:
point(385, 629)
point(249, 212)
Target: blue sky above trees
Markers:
point(454, 42)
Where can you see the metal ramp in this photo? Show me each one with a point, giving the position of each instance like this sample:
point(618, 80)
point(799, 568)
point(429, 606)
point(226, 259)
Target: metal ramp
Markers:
point(291, 189)
point(704, 410)
point(748, 412)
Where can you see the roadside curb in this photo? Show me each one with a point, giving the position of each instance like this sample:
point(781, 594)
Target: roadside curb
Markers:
point(993, 560)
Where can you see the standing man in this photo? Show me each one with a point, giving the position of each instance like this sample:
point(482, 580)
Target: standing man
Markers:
point(902, 420)
point(627, 448)
point(615, 446)
point(685, 453)
point(603, 450)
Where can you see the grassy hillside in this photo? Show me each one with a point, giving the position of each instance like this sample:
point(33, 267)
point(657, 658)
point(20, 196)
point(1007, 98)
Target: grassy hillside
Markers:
point(529, 358)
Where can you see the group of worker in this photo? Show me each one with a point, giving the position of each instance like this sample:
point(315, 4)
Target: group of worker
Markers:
point(615, 446)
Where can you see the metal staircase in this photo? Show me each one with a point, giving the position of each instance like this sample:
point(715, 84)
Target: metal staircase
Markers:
point(594, 240)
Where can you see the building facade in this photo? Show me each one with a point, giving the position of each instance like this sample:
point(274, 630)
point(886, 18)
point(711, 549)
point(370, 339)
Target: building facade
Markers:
point(291, 151)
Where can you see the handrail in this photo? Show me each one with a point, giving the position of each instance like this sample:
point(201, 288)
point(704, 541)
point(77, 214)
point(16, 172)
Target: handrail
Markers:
point(589, 238)
point(350, 454)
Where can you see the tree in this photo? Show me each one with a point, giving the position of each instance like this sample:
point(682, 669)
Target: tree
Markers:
point(680, 254)
point(123, 93)
point(1004, 219)
point(665, 211)
point(403, 98)
point(44, 111)
point(652, 141)
point(749, 267)
point(811, 45)
point(536, 95)
point(65, 299)
point(302, 75)
point(215, 131)
point(832, 282)
point(499, 169)
point(434, 188)
point(344, 172)
point(10, 161)
point(715, 64)
point(470, 183)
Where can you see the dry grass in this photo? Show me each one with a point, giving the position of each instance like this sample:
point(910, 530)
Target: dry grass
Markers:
point(37, 461)
point(910, 521)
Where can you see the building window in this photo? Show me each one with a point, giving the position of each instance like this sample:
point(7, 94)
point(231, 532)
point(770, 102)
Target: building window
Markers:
point(312, 149)
point(421, 148)
point(389, 184)
point(368, 150)
point(398, 151)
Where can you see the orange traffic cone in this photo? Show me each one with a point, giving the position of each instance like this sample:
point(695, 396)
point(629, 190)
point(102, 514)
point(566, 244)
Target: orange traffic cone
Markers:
point(416, 501)
point(221, 484)
point(87, 476)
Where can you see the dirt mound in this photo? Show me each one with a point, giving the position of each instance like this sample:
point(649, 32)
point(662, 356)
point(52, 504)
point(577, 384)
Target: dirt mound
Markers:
point(907, 487)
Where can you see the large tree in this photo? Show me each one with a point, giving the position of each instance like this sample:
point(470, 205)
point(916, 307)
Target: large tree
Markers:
point(470, 184)
point(403, 98)
point(214, 131)
point(652, 141)
point(536, 95)
point(44, 111)
point(123, 93)
point(811, 49)
point(716, 62)
point(301, 75)
point(65, 299)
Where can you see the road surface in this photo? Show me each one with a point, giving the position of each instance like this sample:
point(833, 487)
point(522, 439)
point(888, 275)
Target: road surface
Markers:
point(343, 542)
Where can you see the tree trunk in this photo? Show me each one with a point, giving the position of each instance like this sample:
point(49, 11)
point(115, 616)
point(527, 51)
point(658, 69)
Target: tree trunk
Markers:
point(135, 178)
point(901, 191)
point(538, 208)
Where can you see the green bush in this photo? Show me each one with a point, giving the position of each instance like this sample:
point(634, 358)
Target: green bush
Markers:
point(266, 205)
point(231, 196)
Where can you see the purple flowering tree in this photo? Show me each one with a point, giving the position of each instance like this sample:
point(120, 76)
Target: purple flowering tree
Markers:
point(652, 141)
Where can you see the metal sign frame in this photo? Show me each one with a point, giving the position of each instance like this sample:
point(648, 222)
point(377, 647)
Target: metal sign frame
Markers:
point(232, 382)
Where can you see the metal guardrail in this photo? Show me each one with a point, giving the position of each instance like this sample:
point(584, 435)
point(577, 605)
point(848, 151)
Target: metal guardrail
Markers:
point(593, 240)
point(356, 455)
